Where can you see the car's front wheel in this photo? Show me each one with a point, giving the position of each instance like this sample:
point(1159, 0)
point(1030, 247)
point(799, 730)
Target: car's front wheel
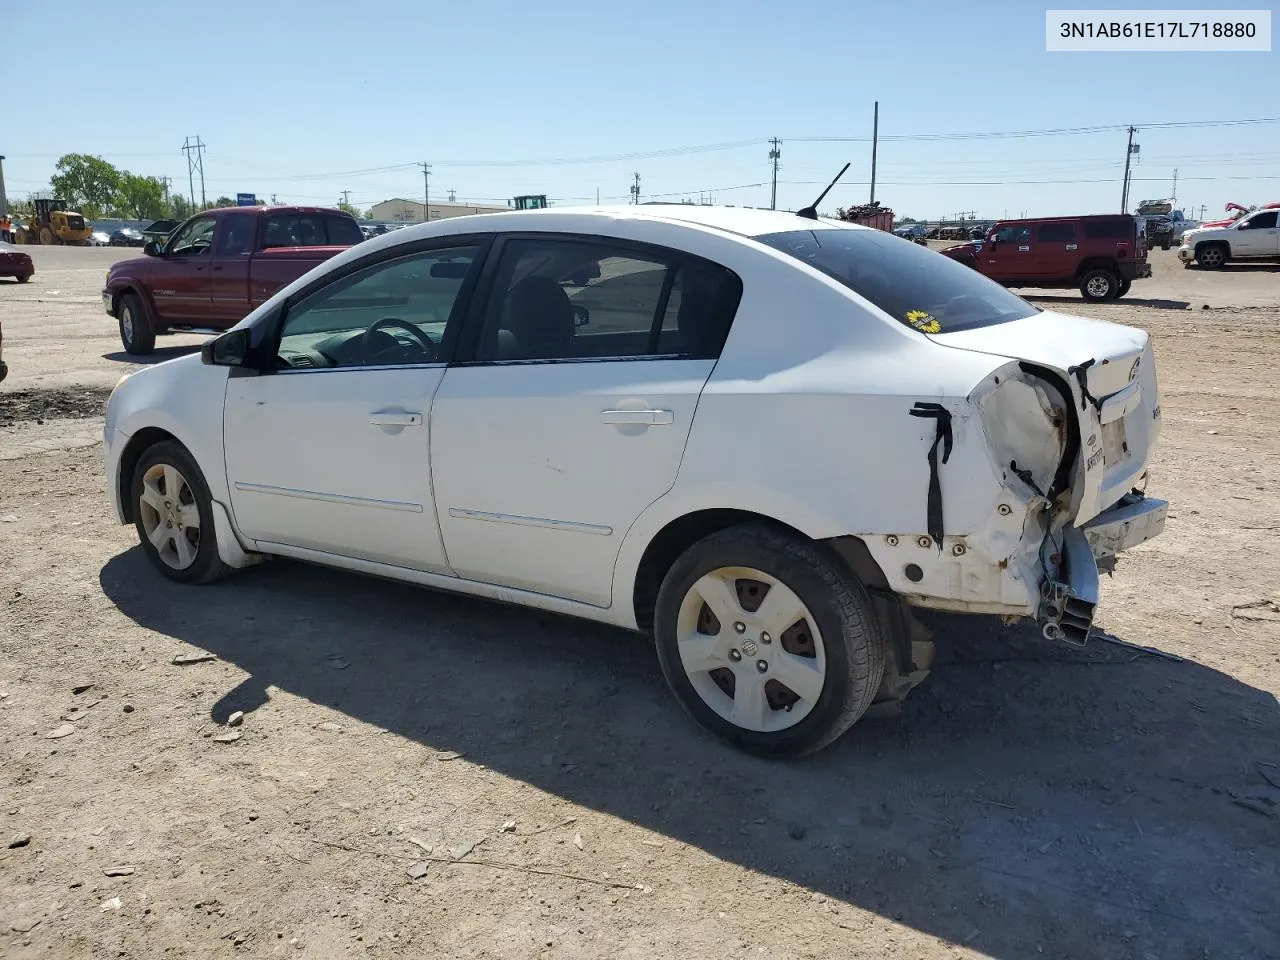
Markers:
point(1211, 256)
point(173, 513)
point(1099, 284)
point(136, 334)
point(767, 641)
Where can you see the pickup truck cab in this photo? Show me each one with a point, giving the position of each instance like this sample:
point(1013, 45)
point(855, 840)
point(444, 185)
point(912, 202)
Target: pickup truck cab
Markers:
point(1255, 236)
point(1101, 255)
point(215, 268)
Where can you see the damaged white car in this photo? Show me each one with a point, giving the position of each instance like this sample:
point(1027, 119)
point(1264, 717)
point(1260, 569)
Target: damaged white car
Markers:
point(764, 437)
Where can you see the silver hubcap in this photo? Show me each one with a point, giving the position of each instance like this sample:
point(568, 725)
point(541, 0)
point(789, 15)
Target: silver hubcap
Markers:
point(170, 517)
point(1211, 258)
point(751, 649)
point(1099, 286)
point(126, 323)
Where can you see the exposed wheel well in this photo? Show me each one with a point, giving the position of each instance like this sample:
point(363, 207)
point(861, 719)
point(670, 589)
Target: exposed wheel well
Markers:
point(683, 532)
point(1226, 247)
point(138, 444)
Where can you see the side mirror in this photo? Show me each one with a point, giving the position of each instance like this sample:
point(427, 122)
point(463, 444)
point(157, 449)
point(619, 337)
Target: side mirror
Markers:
point(229, 350)
point(152, 248)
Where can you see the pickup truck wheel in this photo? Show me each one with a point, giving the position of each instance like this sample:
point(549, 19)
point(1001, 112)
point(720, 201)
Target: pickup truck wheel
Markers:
point(136, 335)
point(173, 513)
point(1123, 289)
point(24, 277)
point(1099, 284)
point(1211, 256)
point(767, 641)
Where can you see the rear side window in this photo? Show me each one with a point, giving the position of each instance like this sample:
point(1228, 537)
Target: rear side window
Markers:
point(311, 230)
point(915, 286)
point(572, 300)
point(1055, 233)
point(1108, 229)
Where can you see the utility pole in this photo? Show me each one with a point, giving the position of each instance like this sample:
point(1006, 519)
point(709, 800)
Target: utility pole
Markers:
point(426, 191)
point(1175, 186)
point(346, 198)
point(452, 195)
point(273, 199)
point(775, 155)
point(875, 142)
point(635, 190)
point(4, 201)
point(195, 161)
point(165, 181)
point(597, 196)
point(1128, 160)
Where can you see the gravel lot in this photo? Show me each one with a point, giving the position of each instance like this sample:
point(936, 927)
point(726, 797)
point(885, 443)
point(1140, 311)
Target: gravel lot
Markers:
point(420, 775)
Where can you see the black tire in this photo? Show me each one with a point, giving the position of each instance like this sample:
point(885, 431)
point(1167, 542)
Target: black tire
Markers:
point(24, 277)
point(1165, 244)
point(1211, 256)
point(1099, 284)
point(135, 333)
point(839, 605)
point(207, 566)
point(1123, 289)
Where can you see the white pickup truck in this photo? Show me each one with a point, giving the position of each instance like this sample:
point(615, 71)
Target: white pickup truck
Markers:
point(1255, 236)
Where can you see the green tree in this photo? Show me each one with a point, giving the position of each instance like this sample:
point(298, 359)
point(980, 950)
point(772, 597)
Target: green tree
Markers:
point(180, 207)
point(88, 183)
point(223, 201)
point(348, 208)
point(140, 197)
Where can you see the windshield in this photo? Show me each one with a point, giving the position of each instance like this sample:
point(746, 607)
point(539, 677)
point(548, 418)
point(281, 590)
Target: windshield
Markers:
point(919, 288)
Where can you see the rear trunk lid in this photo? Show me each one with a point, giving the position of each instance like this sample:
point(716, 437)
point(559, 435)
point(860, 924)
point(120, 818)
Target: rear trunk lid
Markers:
point(1110, 371)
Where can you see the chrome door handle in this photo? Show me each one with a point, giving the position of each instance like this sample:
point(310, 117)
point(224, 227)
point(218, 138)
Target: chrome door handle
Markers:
point(384, 418)
point(652, 417)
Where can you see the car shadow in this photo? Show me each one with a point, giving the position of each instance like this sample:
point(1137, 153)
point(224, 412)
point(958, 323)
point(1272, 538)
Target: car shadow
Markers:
point(1238, 267)
point(1122, 302)
point(159, 355)
point(1105, 798)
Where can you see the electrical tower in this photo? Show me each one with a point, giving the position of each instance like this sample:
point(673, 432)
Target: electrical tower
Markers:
point(635, 190)
point(426, 191)
point(775, 155)
point(195, 161)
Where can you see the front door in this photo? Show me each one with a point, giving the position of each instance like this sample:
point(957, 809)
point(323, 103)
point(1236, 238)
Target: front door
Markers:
point(1257, 236)
point(1007, 255)
point(179, 279)
point(233, 246)
point(331, 452)
point(572, 411)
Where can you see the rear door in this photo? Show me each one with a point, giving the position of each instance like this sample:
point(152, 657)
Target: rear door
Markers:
point(568, 412)
point(233, 245)
point(1055, 250)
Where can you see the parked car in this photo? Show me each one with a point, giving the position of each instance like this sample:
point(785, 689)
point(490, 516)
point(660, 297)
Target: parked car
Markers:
point(126, 237)
point(1102, 255)
point(158, 230)
point(691, 471)
point(1255, 236)
point(217, 266)
point(14, 263)
point(100, 238)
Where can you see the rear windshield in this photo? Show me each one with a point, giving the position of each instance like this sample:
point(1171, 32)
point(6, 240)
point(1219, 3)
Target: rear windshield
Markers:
point(919, 288)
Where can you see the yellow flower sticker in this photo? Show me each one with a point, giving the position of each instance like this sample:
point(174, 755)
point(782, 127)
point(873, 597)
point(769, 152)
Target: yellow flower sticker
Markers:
point(924, 322)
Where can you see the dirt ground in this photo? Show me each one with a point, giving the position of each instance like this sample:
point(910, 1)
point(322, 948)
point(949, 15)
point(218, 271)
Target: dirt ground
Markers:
point(421, 775)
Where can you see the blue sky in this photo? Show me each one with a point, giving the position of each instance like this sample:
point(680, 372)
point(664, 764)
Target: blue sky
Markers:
point(306, 99)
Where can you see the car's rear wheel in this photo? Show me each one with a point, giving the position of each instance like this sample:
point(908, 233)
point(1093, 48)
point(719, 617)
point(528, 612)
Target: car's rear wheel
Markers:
point(1099, 284)
point(1211, 256)
point(767, 641)
point(24, 277)
point(173, 514)
point(1123, 289)
point(135, 333)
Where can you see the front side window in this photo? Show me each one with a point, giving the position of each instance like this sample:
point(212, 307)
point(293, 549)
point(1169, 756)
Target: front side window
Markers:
point(915, 286)
point(1260, 221)
point(559, 299)
point(1014, 233)
point(194, 239)
point(392, 313)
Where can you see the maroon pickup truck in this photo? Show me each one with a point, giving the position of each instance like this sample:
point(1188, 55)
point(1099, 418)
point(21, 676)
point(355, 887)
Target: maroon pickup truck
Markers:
point(218, 266)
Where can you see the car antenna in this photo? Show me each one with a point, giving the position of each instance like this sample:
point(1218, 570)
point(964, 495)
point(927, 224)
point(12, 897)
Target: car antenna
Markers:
point(811, 212)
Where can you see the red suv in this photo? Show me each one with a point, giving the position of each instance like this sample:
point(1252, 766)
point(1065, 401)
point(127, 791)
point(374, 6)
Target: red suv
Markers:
point(1102, 255)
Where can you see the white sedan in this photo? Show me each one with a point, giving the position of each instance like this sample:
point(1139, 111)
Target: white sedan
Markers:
point(763, 437)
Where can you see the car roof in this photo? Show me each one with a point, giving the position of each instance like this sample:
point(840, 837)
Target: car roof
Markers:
point(1072, 217)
